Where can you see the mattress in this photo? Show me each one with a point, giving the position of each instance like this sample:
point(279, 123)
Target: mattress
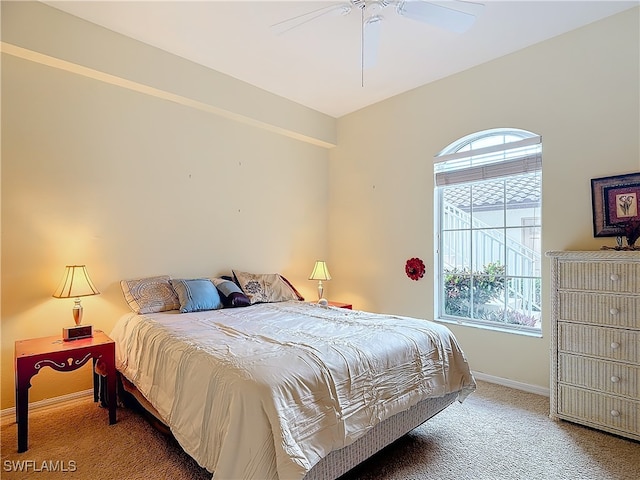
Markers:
point(270, 390)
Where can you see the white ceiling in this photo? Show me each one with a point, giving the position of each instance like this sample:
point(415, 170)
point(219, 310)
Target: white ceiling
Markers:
point(318, 63)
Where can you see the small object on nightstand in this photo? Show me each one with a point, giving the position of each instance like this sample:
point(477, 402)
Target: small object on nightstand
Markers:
point(76, 283)
point(77, 332)
point(323, 301)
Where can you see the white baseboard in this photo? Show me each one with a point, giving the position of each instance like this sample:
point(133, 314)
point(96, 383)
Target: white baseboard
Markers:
point(10, 413)
point(512, 384)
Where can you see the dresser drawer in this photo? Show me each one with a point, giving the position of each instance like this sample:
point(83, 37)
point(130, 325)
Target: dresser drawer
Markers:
point(603, 342)
point(600, 309)
point(598, 409)
point(608, 377)
point(611, 277)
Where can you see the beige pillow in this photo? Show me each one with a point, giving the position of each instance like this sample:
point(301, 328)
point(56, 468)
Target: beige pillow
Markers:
point(265, 287)
point(150, 295)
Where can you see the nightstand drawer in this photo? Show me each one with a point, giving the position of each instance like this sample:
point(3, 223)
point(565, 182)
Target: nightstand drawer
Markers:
point(609, 377)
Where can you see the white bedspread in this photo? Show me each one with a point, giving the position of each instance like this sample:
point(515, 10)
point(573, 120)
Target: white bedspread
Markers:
point(267, 391)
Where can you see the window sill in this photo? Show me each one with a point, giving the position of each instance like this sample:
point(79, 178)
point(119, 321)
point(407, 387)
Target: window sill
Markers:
point(495, 328)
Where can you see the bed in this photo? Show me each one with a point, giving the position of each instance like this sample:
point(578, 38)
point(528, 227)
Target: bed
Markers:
point(288, 389)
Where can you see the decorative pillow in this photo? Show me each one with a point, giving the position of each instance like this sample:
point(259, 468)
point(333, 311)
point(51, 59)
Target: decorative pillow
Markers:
point(300, 297)
point(230, 293)
point(265, 288)
point(197, 295)
point(150, 295)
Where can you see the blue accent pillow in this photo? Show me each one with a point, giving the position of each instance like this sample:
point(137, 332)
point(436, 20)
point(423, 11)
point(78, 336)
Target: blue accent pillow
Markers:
point(197, 295)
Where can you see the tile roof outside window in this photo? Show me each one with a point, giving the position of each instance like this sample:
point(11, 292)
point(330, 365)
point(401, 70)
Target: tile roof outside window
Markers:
point(524, 189)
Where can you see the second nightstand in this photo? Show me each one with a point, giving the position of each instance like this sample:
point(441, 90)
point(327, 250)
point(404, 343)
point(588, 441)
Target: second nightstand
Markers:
point(337, 304)
point(341, 305)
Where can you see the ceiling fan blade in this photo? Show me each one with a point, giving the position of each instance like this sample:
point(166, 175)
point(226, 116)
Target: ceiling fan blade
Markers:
point(371, 41)
point(299, 20)
point(437, 14)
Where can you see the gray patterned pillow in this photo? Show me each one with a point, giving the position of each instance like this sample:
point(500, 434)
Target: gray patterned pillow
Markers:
point(150, 295)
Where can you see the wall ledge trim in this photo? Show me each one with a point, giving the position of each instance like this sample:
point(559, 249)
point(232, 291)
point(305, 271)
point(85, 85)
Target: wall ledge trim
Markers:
point(71, 67)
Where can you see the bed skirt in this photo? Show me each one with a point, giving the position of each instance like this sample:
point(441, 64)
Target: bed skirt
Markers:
point(340, 461)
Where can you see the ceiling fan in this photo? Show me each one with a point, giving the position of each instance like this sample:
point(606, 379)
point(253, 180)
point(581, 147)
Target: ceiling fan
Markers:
point(452, 15)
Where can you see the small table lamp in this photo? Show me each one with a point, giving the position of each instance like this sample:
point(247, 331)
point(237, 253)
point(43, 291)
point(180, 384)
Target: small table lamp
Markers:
point(76, 283)
point(320, 272)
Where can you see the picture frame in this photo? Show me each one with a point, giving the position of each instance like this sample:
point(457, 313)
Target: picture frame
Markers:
point(615, 200)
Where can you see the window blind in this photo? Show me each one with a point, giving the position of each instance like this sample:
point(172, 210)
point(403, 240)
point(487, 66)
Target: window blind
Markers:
point(528, 164)
point(496, 161)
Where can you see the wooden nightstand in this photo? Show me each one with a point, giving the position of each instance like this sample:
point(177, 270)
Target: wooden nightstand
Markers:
point(33, 354)
point(341, 305)
point(337, 304)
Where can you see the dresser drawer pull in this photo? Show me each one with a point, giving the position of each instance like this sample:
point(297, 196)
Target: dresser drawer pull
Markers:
point(614, 277)
point(615, 413)
point(615, 379)
point(614, 311)
point(615, 345)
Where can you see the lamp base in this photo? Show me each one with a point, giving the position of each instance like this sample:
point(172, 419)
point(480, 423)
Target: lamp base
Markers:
point(77, 332)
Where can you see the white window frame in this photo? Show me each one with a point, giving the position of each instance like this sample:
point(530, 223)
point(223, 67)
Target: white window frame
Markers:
point(461, 163)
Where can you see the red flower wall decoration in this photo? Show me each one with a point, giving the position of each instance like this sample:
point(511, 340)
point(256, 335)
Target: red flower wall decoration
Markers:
point(414, 268)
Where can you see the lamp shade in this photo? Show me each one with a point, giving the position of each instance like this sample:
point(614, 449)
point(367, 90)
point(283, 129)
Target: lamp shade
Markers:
point(75, 283)
point(320, 271)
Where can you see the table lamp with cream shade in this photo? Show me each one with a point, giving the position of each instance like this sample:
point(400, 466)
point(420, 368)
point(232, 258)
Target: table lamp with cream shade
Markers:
point(75, 283)
point(320, 272)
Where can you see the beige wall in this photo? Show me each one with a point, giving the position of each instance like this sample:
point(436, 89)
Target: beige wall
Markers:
point(580, 91)
point(167, 167)
point(143, 173)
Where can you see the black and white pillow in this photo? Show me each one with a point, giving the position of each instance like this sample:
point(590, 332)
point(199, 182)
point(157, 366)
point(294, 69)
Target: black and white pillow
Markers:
point(230, 293)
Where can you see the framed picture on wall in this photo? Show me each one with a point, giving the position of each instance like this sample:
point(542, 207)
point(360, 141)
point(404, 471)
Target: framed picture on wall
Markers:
point(616, 200)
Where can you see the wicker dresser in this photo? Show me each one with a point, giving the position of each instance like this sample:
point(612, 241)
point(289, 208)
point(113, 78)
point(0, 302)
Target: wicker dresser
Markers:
point(595, 340)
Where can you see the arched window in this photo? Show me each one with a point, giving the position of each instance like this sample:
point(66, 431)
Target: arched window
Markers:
point(488, 199)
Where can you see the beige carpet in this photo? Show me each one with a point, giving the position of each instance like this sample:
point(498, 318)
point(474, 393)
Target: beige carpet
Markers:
point(497, 433)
